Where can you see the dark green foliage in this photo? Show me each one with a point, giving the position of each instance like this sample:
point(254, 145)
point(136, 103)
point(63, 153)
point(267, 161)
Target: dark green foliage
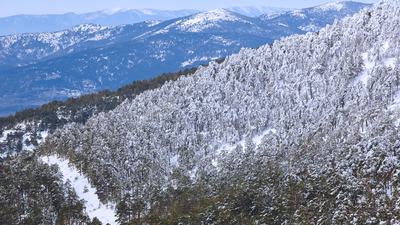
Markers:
point(95, 221)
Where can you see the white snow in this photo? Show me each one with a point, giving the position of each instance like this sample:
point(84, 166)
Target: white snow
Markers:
point(173, 160)
point(70, 93)
point(256, 139)
point(273, 15)
point(151, 23)
point(105, 213)
point(330, 6)
point(368, 64)
point(299, 13)
point(98, 37)
point(309, 28)
point(52, 76)
point(191, 61)
point(202, 21)
point(54, 41)
point(18, 128)
point(112, 11)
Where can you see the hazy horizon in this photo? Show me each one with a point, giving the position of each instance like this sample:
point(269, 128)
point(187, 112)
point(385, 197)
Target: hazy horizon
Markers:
point(40, 7)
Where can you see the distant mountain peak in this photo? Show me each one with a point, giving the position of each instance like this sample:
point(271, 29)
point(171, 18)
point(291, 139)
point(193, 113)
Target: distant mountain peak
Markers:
point(254, 11)
point(214, 15)
point(111, 17)
point(338, 5)
point(314, 18)
point(202, 21)
point(112, 11)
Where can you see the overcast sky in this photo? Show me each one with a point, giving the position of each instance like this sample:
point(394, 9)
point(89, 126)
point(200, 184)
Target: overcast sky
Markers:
point(15, 7)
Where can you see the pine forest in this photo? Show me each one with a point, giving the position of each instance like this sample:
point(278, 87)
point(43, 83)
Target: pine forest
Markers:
point(301, 131)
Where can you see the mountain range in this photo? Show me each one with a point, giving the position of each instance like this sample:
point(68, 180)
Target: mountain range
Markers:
point(19, 24)
point(40, 67)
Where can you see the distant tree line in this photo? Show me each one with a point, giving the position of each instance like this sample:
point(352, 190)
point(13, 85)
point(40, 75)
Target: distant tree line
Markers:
point(102, 101)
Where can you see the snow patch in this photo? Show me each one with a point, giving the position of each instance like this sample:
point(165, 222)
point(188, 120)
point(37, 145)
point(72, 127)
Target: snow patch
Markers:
point(299, 13)
point(94, 208)
point(272, 15)
point(330, 6)
point(98, 37)
point(363, 77)
point(369, 64)
point(41, 136)
point(256, 139)
point(309, 28)
point(52, 76)
point(202, 21)
point(191, 61)
point(70, 93)
point(151, 23)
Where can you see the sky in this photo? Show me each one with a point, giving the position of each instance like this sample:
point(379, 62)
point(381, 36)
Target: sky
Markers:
point(16, 7)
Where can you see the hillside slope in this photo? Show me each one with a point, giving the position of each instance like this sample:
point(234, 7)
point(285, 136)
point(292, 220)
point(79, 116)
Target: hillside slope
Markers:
point(329, 100)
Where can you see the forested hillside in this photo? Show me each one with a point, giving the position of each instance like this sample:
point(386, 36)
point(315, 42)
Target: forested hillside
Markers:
point(325, 105)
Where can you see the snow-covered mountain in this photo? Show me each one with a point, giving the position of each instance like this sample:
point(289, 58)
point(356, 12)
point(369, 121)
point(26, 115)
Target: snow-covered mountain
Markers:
point(78, 60)
point(112, 17)
point(254, 11)
point(19, 24)
point(41, 67)
point(314, 18)
point(24, 49)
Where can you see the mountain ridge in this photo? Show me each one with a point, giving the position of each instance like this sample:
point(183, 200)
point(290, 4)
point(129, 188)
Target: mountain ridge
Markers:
point(19, 24)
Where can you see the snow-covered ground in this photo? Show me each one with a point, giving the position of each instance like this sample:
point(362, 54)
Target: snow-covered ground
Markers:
point(369, 65)
point(105, 213)
point(256, 139)
point(20, 128)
